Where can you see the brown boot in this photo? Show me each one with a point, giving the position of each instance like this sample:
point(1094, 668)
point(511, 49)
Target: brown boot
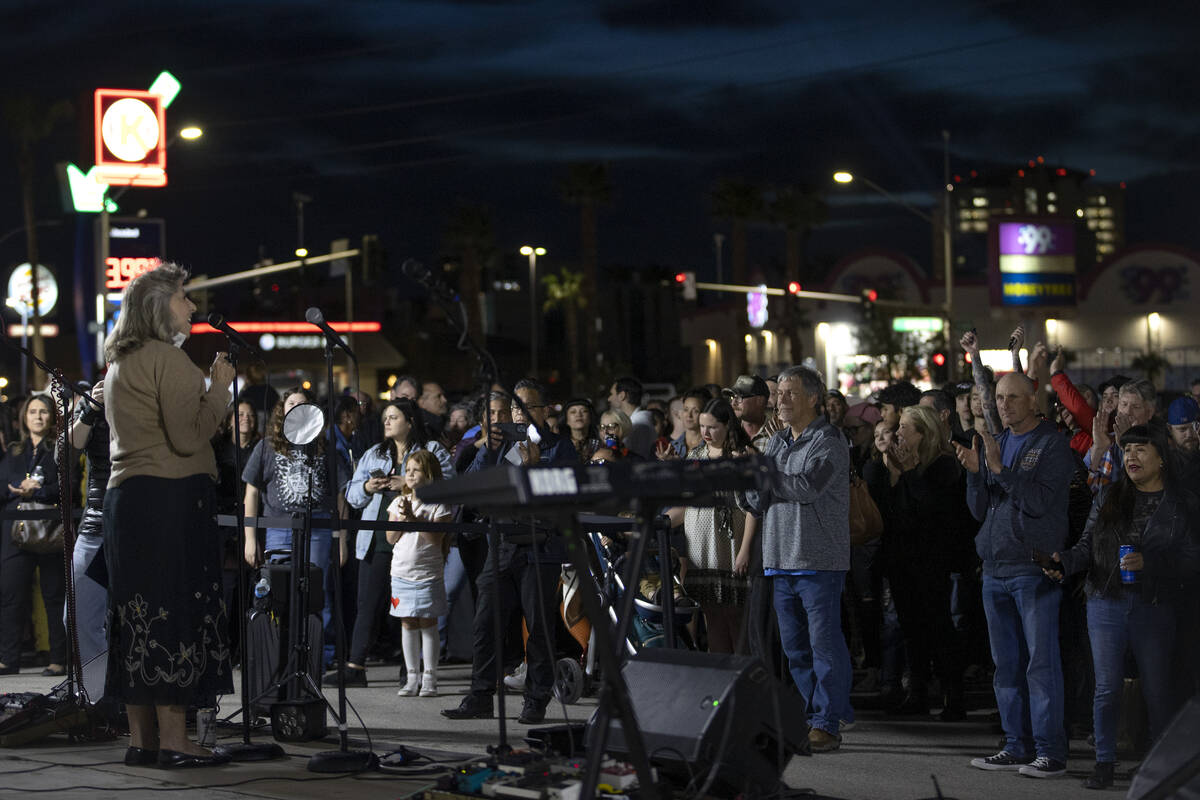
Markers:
point(823, 741)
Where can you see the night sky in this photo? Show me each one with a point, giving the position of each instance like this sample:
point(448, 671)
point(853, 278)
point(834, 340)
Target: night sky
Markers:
point(392, 114)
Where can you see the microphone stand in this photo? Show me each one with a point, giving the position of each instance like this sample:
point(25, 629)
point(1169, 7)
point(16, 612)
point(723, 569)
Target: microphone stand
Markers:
point(246, 750)
point(343, 759)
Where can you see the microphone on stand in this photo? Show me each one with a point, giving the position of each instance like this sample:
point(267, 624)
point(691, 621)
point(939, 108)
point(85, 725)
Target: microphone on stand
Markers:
point(420, 274)
point(217, 321)
point(314, 316)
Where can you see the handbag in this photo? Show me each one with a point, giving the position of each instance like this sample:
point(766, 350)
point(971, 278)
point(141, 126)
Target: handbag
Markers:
point(37, 535)
point(866, 523)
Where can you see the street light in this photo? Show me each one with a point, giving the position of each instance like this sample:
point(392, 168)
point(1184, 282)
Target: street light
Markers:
point(844, 177)
point(532, 253)
point(191, 132)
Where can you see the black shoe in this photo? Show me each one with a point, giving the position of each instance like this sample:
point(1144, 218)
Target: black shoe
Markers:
point(355, 676)
point(173, 759)
point(54, 672)
point(9, 669)
point(533, 712)
point(473, 706)
point(140, 757)
point(1101, 777)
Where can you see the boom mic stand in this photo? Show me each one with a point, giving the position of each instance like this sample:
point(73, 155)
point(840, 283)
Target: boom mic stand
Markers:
point(246, 750)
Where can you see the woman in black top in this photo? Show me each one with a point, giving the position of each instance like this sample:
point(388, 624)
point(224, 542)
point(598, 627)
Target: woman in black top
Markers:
point(31, 474)
point(1146, 508)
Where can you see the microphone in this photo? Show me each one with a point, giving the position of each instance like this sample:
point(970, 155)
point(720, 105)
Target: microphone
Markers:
point(314, 316)
point(235, 339)
point(420, 274)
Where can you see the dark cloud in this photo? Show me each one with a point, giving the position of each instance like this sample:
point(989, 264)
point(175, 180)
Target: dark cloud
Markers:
point(666, 15)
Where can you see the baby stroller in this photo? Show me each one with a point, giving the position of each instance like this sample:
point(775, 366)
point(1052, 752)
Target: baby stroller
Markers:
point(574, 676)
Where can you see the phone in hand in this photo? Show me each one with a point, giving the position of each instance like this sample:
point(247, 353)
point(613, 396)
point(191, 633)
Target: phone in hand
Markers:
point(1046, 562)
point(513, 432)
point(378, 473)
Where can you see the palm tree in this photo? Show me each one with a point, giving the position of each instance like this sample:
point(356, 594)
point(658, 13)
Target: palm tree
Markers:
point(797, 211)
point(469, 238)
point(565, 291)
point(587, 185)
point(739, 202)
point(30, 121)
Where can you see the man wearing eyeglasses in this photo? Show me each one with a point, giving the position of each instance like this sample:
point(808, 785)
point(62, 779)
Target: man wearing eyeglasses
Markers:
point(528, 569)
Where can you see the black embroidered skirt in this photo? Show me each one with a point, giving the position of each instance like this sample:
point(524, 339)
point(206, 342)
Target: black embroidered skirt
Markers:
point(167, 621)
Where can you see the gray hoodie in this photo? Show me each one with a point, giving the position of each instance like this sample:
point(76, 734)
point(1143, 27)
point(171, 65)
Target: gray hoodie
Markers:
point(807, 524)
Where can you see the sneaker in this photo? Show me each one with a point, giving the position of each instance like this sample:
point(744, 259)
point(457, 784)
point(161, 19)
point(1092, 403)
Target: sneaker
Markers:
point(820, 741)
point(411, 687)
point(429, 684)
point(532, 712)
point(473, 706)
point(1043, 767)
point(1003, 760)
point(515, 680)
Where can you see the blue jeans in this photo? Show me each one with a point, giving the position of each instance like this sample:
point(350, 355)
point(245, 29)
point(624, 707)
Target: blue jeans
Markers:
point(320, 544)
point(456, 581)
point(809, 609)
point(91, 601)
point(1115, 623)
point(1022, 617)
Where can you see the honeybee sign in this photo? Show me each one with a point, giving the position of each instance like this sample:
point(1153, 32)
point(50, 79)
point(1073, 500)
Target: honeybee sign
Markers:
point(1033, 263)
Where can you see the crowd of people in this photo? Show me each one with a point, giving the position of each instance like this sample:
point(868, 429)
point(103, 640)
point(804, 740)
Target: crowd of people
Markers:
point(1026, 527)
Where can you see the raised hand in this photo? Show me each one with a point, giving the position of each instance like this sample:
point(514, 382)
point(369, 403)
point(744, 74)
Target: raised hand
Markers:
point(1059, 364)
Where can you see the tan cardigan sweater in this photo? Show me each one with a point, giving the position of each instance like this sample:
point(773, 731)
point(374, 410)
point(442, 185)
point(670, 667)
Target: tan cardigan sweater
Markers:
point(160, 415)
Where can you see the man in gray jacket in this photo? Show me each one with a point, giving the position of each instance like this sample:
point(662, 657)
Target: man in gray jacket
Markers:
point(806, 550)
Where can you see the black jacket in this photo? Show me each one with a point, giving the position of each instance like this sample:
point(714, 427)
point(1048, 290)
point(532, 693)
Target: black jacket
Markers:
point(1169, 546)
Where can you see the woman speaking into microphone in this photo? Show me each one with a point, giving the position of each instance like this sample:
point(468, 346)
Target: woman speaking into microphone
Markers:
point(167, 623)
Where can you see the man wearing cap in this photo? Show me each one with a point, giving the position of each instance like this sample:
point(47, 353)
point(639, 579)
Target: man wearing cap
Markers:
point(752, 393)
point(859, 427)
point(1182, 416)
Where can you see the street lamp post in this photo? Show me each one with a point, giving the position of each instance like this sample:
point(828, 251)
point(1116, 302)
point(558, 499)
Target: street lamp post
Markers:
point(947, 254)
point(533, 253)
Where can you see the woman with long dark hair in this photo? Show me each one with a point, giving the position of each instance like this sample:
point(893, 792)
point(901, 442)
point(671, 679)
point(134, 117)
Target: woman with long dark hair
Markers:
point(167, 620)
point(378, 478)
point(715, 535)
point(288, 480)
point(31, 474)
point(1139, 547)
point(580, 416)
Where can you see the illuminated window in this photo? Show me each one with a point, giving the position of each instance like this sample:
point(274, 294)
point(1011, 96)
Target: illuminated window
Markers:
point(1106, 224)
point(980, 227)
point(1102, 200)
point(965, 227)
point(1105, 212)
point(1051, 208)
point(1052, 196)
point(964, 214)
point(980, 202)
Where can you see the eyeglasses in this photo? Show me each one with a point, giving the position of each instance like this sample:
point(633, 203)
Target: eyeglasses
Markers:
point(611, 426)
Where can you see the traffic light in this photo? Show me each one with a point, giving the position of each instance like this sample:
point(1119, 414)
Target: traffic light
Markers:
point(793, 288)
point(374, 260)
point(938, 372)
point(869, 296)
point(687, 282)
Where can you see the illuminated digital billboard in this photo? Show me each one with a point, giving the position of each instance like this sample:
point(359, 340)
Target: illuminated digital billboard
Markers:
point(1032, 262)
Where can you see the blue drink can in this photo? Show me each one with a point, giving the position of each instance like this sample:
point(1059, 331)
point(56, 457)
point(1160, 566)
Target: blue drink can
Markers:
point(1127, 575)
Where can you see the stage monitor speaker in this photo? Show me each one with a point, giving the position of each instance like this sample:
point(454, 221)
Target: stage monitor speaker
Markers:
point(1172, 767)
point(704, 711)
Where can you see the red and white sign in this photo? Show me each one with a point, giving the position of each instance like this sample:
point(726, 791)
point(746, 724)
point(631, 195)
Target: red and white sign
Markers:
point(131, 144)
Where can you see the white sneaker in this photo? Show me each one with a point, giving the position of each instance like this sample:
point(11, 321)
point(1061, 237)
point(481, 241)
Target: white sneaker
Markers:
point(410, 688)
point(516, 679)
point(429, 685)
